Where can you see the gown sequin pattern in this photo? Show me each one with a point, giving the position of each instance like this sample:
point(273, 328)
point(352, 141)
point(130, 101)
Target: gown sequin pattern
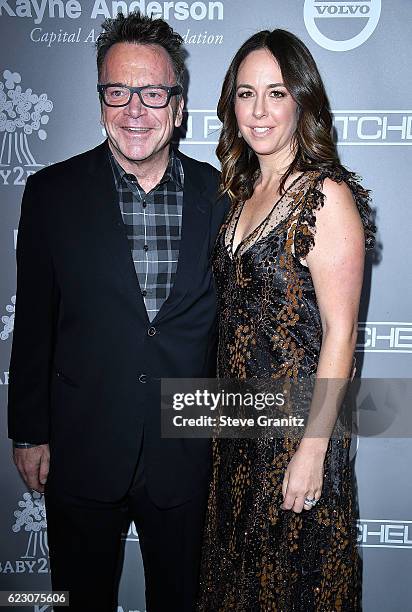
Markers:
point(256, 556)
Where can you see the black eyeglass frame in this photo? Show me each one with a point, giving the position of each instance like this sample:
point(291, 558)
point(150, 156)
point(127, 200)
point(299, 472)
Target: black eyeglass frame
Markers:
point(175, 90)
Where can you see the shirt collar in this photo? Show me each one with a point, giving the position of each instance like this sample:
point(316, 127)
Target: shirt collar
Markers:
point(173, 172)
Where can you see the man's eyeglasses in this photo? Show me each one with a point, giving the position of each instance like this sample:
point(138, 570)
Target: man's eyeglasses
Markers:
point(153, 96)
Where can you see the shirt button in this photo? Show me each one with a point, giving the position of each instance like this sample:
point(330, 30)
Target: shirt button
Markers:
point(151, 331)
point(144, 293)
point(142, 378)
point(145, 248)
point(144, 204)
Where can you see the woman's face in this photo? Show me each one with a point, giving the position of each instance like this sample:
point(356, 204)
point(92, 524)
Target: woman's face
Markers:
point(265, 111)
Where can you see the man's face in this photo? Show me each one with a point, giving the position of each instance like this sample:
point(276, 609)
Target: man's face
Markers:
point(137, 133)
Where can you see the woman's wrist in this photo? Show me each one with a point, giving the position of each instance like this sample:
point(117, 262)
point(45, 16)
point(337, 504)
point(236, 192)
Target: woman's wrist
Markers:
point(315, 446)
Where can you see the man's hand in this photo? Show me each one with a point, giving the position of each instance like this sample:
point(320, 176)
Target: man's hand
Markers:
point(33, 465)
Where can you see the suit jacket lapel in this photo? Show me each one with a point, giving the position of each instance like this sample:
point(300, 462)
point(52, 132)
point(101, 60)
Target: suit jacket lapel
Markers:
point(108, 223)
point(194, 232)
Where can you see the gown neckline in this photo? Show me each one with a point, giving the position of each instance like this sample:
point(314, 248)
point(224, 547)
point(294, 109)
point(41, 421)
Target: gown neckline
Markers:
point(233, 253)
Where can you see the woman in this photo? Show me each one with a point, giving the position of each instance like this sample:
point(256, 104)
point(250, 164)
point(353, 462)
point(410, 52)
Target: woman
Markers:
point(288, 266)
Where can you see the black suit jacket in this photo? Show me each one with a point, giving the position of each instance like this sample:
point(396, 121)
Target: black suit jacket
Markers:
point(84, 373)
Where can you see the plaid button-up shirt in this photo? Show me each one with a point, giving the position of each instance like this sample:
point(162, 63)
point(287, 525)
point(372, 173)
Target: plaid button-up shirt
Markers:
point(153, 224)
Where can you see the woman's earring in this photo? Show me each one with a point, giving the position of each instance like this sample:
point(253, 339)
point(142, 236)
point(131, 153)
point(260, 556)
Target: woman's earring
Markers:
point(239, 134)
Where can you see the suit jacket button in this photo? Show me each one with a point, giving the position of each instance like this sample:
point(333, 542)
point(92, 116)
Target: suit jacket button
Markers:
point(142, 378)
point(151, 331)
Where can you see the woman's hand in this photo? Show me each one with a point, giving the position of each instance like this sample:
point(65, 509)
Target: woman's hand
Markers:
point(303, 478)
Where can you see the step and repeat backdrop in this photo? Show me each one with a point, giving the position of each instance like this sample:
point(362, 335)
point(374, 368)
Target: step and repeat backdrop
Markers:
point(49, 111)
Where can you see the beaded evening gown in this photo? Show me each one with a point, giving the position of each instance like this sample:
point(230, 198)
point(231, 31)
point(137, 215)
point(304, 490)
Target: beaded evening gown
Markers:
point(258, 557)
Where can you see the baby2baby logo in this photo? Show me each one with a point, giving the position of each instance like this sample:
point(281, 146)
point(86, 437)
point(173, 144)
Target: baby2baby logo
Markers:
point(30, 520)
point(24, 116)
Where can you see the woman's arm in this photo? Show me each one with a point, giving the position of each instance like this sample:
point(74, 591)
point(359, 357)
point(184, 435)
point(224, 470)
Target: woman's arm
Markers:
point(336, 264)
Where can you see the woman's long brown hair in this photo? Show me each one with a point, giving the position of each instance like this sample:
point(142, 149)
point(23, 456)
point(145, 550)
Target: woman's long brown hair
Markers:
point(313, 142)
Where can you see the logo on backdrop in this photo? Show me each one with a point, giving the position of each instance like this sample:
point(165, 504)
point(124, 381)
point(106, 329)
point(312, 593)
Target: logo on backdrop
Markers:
point(23, 117)
point(202, 127)
point(131, 534)
point(384, 337)
point(373, 127)
point(325, 19)
point(371, 533)
point(353, 127)
point(8, 320)
point(384, 533)
point(72, 9)
point(30, 520)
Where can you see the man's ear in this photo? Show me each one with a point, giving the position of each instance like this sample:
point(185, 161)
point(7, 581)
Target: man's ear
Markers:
point(101, 111)
point(179, 112)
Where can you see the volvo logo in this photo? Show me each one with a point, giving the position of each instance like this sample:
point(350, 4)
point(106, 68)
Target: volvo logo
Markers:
point(366, 13)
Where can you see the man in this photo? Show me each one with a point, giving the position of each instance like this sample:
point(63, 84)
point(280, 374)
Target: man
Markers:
point(114, 292)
